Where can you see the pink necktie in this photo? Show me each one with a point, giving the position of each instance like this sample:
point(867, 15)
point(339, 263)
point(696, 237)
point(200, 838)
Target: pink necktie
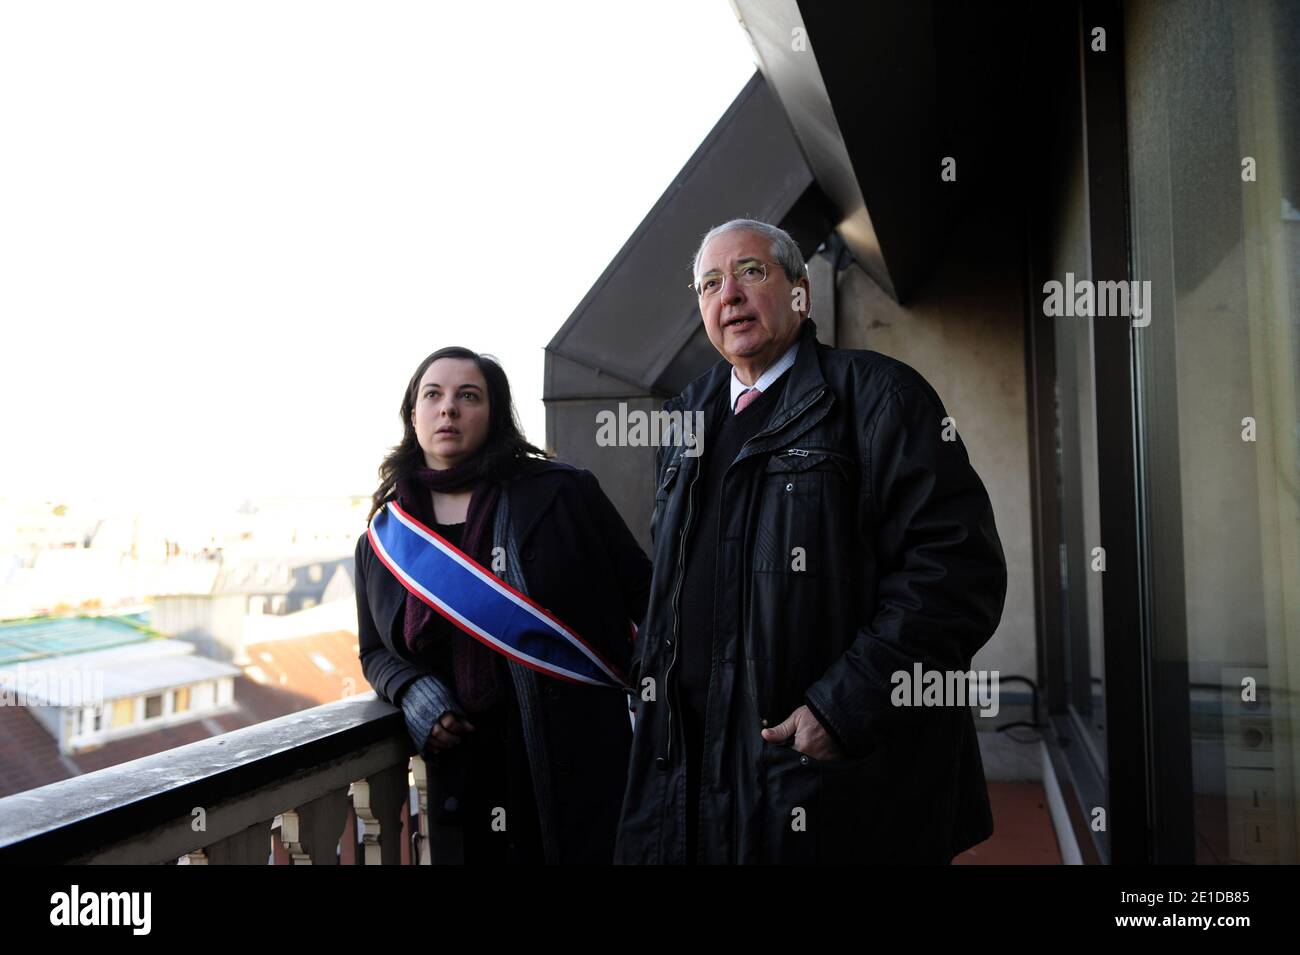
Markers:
point(746, 399)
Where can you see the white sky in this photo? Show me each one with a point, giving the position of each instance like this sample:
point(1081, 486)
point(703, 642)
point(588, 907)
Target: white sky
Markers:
point(230, 230)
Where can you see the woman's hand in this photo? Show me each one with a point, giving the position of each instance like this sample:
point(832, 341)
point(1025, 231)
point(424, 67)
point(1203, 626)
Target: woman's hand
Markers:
point(448, 731)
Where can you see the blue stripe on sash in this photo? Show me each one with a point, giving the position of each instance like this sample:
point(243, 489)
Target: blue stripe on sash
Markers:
point(480, 604)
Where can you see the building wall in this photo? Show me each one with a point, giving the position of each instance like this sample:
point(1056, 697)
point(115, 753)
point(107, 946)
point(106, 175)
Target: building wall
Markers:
point(215, 625)
point(626, 474)
point(964, 332)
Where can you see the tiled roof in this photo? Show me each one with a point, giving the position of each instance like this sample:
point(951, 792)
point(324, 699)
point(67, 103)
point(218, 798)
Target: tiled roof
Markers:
point(29, 756)
point(324, 667)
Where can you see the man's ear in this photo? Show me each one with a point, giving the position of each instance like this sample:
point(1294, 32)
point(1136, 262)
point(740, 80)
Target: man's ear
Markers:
point(803, 284)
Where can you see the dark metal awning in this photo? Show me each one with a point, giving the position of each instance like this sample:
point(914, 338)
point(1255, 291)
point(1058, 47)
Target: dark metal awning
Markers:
point(638, 331)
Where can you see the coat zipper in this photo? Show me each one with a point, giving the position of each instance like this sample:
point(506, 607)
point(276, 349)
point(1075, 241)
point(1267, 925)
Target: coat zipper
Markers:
point(677, 590)
point(681, 559)
point(803, 453)
point(798, 413)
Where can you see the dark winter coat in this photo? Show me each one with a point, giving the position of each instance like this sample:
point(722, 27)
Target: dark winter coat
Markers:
point(580, 562)
point(859, 470)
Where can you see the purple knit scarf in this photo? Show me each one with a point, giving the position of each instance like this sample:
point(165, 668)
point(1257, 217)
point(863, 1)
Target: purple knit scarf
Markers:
point(474, 666)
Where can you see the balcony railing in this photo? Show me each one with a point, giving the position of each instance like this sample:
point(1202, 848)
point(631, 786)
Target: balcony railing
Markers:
point(333, 784)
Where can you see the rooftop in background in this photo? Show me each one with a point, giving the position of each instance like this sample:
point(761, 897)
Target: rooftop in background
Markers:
point(36, 639)
point(286, 677)
point(124, 670)
point(323, 667)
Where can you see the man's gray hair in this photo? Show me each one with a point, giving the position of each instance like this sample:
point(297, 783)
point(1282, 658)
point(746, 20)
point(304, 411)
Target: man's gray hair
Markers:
point(785, 251)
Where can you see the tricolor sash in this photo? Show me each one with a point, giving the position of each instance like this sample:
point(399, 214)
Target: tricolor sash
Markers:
point(482, 605)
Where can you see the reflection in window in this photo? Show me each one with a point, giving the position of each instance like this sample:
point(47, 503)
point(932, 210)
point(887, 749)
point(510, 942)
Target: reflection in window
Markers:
point(1214, 140)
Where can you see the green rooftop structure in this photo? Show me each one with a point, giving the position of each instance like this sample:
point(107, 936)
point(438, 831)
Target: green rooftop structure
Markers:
point(40, 638)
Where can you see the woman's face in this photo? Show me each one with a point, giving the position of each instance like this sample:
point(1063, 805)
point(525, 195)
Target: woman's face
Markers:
point(451, 412)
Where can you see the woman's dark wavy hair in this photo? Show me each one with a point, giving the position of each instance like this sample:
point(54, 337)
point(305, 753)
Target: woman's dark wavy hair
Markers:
point(503, 452)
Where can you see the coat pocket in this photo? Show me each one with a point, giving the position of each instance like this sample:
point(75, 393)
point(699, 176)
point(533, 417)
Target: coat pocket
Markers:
point(853, 810)
point(804, 495)
point(791, 796)
point(820, 812)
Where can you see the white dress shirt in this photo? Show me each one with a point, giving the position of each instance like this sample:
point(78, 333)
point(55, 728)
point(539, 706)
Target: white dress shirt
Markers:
point(765, 380)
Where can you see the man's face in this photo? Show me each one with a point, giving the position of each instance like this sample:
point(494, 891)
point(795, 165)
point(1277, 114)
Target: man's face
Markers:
point(750, 325)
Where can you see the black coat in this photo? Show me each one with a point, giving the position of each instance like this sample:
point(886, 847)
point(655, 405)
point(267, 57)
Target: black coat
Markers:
point(582, 564)
point(902, 563)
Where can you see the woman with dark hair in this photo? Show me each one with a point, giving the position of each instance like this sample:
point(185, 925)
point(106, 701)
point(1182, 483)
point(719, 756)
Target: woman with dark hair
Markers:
point(496, 597)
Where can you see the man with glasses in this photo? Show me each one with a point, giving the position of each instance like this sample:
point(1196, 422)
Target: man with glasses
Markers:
point(832, 535)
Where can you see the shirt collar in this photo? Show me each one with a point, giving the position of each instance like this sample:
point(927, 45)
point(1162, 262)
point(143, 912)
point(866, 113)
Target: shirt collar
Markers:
point(775, 371)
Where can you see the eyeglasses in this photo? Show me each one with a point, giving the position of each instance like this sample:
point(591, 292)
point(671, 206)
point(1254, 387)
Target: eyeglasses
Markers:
point(749, 272)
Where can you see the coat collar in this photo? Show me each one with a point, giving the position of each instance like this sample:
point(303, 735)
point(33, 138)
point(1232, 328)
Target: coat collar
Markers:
point(806, 379)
